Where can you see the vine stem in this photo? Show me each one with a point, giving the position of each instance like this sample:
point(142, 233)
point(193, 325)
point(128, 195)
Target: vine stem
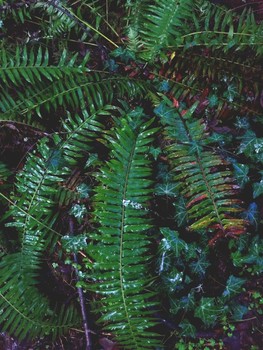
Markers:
point(81, 294)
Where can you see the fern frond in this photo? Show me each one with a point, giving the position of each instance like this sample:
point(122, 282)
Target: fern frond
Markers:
point(203, 177)
point(213, 26)
point(162, 23)
point(25, 311)
point(94, 90)
point(34, 215)
point(29, 67)
point(120, 247)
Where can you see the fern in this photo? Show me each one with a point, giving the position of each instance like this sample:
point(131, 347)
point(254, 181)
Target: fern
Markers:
point(162, 23)
point(120, 247)
point(34, 67)
point(25, 309)
point(203, 177)
point(75, 92)
point(34, 216)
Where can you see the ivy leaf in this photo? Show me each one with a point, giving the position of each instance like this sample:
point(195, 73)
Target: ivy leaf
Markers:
point(155, 151)
point(186, 303)
point(164, 86)
point(173, 241)
point(125, 55)
point(56, 160)
point(165, 112)
point(238, 311)
point(188, 330)
point(74, 243)
point(241, 173)
point(207, 311)
point(78, 211)
point(252, 214)
point(83, 190)
point(233, 286)
point(166, 189)
point(258, 187)
point(200, 266)
point(252, 146)
point(213, 100)
point(181, 215)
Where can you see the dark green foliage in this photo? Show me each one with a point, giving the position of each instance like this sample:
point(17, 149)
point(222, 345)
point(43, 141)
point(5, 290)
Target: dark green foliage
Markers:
point(146, 176)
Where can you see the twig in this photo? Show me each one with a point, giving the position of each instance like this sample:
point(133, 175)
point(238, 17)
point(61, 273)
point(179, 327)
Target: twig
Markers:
point(81, 295)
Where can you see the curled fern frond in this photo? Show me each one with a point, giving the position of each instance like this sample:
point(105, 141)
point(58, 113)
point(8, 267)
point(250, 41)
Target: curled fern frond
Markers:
point(203, 176)
point(120, 247)
point(34, 216)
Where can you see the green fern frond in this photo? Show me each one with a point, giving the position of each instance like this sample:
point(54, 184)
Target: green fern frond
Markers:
point(94, 90)
point(213, 26)
point(120, 247)
point(29, 67)
point(34, 215)
point(25, 312)
point(203, 177)
point(162, 23)
point(60, 21)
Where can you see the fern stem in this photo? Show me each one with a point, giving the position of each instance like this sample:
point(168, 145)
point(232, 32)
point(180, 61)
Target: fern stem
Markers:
point(122, 229)
point(214, 32)
point(81, 295)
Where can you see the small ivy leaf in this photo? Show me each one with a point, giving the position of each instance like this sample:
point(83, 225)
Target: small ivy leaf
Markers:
point(242, 123)
point(166, 189)
point(78, 211)
point(164, 86)
point(252, 214)
point(155, 152)
point(231, 92)
point(83, 190)
point(241, 173)
point(125, 55)
point(163, 173)
point(213, 101)
point(111, 65)
point(207, 311)
point(74, 243)
point(173, 280)
point(237, 258)
point(56, 160)
point(200, 266)
point(252, 146)
point(188, 330)
point(258, 189)
point(238, 311)
point(166, 113)
point(181, 215)
point(173, 241)
point(92, 160)
point(233, 286)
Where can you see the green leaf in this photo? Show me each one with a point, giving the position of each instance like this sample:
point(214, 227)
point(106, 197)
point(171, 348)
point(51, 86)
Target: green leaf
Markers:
point(188, 330)
point(207, 311)
point(241, 173)
point(171, 241)
point(233, 286)
point(74, 243)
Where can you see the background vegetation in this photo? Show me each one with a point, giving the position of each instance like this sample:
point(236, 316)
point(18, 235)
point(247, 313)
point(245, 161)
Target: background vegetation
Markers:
point(131, 174)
